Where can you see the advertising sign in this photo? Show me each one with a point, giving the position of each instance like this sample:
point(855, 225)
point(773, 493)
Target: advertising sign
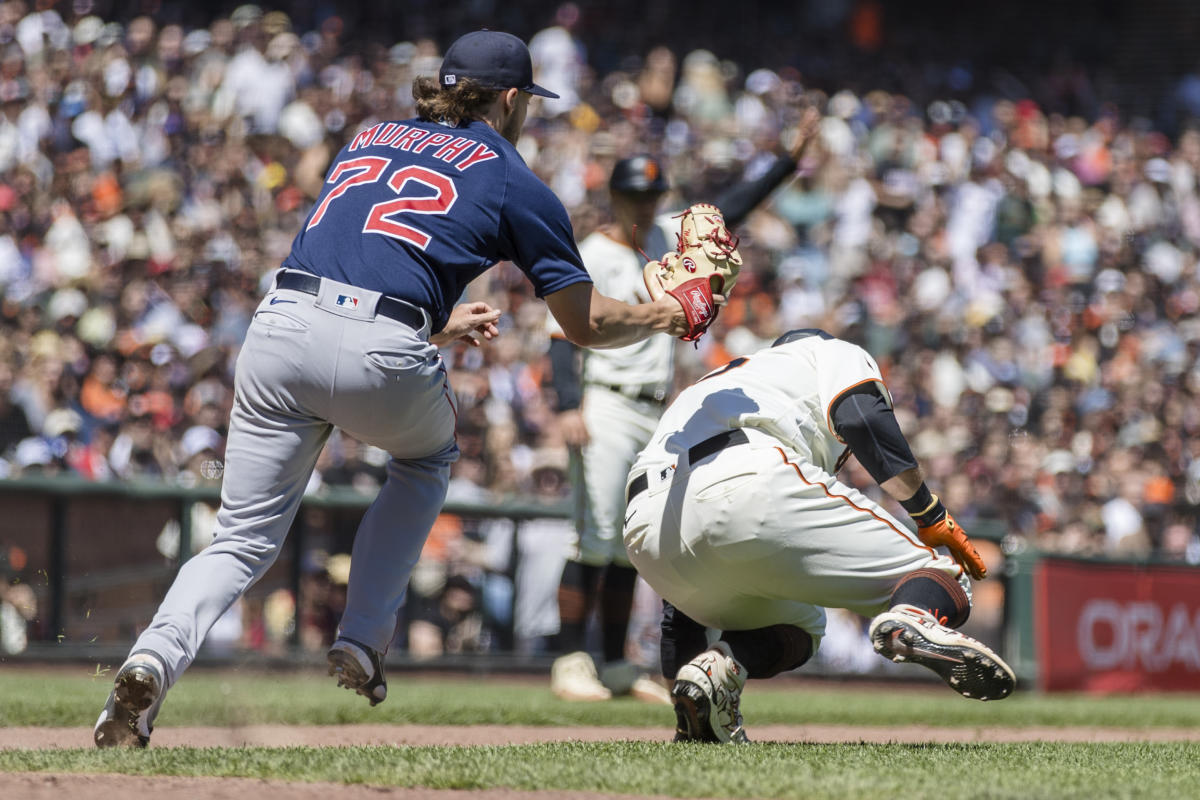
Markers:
point(1117, 627)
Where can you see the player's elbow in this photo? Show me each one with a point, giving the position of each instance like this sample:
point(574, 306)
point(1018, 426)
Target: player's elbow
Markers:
point(580, 311)
point(580, 332)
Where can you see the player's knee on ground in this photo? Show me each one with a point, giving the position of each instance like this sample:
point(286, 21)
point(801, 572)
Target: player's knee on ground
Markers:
point(682, 640)
point(936, 592)
point(766, 652)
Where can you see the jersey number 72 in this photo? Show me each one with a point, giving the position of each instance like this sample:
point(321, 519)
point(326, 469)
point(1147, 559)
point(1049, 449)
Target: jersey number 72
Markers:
point(369, 169)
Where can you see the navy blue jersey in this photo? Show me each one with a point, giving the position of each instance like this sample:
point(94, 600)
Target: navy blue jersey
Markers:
point(417, 210)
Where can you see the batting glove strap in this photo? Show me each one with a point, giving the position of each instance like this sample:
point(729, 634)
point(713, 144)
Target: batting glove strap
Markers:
point(933, 513)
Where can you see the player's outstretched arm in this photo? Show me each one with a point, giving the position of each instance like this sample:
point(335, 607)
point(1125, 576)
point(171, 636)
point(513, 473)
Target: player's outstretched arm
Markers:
point(468, 322)
point(591, 319)
point(740, 199)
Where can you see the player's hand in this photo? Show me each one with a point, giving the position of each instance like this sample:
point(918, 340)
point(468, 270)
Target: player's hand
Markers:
point(574, 429)
point(943, 531)
point(806, 131)
point(704, 263)
point(468, 322)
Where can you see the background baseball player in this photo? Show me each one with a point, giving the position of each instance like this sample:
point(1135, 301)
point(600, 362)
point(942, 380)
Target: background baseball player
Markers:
point(736, 517)
point(410, 213)
point(622, 392)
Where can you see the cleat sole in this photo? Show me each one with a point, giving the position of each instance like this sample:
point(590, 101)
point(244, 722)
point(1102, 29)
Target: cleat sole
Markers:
point(350, 674)
point(970, 671)
point(692, 711)
point(134, 691)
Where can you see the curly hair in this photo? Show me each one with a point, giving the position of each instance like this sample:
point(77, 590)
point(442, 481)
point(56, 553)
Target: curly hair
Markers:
point(462, 102)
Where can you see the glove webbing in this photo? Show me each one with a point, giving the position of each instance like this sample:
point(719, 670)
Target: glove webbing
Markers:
point(726, 243)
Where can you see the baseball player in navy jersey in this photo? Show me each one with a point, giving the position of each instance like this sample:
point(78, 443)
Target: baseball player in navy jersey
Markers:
point(622, 392)
point(348, 335)
point(737, 518)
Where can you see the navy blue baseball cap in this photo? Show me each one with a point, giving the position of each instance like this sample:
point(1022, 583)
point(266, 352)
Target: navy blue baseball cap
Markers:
point(496, 60)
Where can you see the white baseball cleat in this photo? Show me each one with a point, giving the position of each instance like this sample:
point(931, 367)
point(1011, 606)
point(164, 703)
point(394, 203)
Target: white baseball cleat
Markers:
point(626, 679)
point(358, 668)
point(128, 715)
point(707, 693)
point(573, 677)
point(969, 667)
point(648, 690)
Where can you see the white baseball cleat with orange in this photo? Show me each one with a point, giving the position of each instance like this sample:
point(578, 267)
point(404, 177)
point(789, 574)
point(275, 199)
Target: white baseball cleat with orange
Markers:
point(707, 695)
point(907, 633)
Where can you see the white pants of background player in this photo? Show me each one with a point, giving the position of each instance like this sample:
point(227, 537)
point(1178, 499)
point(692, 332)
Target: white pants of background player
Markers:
point(754, 536)
point(620, 427)
point(308, 364)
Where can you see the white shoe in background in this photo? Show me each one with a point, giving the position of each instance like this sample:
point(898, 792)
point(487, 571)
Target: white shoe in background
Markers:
point(573, 677)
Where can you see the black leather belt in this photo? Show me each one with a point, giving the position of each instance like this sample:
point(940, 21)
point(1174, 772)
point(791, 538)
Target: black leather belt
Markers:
point(389, 307)
point(708, 447)
point(645, 397)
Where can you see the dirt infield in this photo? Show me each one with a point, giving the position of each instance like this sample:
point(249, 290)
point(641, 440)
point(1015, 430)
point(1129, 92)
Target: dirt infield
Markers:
point(44, 786)
point(34, 738)
point(41, 786)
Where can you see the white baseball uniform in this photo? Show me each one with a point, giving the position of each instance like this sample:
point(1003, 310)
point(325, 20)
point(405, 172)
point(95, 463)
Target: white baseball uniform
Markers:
point(761, 532)
point(624, 391)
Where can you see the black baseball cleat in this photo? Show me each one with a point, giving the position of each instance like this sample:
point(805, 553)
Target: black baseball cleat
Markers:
point(128, 716)
point(907, 633)
point(358, 668)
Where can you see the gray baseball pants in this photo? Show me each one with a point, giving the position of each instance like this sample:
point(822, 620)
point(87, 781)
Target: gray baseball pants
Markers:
point(310, 363)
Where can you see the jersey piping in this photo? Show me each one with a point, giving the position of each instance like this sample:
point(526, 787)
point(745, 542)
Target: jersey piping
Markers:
point(856, 507)
point(850, 388)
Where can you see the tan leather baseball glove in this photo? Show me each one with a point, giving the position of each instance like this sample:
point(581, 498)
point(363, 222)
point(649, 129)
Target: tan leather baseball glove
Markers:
point(705, 261)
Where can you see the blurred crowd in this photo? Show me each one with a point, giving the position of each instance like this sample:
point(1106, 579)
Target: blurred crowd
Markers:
point(1027, 278)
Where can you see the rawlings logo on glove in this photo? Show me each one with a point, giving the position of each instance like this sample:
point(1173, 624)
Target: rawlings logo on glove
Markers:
point(705, 261)
point(697, 303)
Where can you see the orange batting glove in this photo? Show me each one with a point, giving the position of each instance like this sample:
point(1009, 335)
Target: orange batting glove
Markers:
point(937, 529)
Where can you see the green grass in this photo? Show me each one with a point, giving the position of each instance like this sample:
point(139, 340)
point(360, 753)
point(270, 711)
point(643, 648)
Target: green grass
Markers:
point(764, 770)
point(1024, 770)
point(241, 698)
